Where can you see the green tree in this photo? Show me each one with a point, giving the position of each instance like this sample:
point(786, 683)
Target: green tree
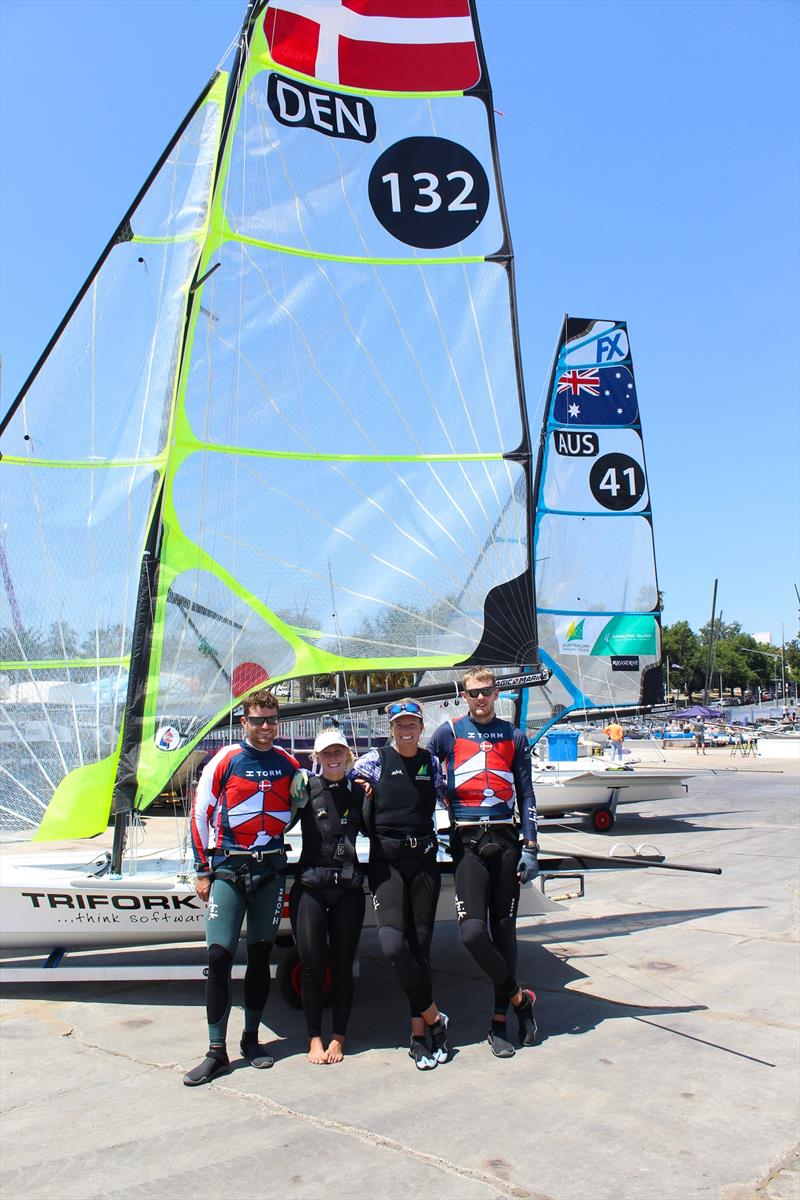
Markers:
point(681, 644)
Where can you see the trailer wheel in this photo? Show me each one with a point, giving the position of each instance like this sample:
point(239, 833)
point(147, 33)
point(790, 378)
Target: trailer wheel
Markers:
point(289, 979)
point(602, 820)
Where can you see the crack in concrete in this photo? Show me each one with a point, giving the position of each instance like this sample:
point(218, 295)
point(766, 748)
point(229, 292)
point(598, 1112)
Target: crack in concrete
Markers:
point(378, 1140)
point(382, 1141)
point(785, 1172)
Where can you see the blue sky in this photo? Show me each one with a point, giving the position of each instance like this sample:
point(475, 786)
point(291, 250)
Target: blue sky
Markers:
point(650, 160)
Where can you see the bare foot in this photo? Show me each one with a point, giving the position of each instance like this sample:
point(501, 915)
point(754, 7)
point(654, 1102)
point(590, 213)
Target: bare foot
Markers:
point(335, 1050)
point(316, 1051)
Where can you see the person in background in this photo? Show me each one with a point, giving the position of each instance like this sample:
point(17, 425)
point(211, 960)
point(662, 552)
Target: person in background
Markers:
point(327, 900)
point(489, 771)
point(616, 735)
point(404, 785)
point(243, 803)
point(699, 731)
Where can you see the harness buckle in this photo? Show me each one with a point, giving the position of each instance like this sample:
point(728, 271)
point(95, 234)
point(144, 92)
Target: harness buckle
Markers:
point(412, 843)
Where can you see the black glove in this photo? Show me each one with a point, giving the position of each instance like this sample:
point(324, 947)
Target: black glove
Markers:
point(528, 865)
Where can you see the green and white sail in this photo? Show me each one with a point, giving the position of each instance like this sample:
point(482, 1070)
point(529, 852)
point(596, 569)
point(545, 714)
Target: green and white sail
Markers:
point(282, 431)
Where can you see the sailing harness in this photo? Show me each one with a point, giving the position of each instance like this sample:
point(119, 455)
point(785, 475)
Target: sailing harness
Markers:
point(391, 843)
point(247, 870)
point(486, 838)
point(338, 866)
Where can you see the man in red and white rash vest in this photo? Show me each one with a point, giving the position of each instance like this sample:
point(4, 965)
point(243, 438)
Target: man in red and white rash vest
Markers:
point(243, 803)
point(488, 770)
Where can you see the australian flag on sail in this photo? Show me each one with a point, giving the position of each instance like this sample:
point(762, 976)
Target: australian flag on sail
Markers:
point(596, 396)
point(393, 45)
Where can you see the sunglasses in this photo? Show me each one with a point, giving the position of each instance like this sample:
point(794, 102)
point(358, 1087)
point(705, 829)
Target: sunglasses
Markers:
point(473, 693)
point(259, 721)
point(413, 710)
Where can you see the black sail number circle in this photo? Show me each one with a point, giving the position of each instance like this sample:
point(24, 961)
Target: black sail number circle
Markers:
point(428, 192)
point(617, 481)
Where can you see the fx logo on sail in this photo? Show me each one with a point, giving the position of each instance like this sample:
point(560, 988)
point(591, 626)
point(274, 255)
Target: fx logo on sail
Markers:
point(609, 348)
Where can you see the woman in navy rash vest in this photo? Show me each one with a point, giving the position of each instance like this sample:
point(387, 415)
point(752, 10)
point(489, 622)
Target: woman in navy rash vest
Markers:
point(405, 783)
point(327, 901)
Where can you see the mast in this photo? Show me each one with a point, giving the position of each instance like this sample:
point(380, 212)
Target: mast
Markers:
point(125, 784)
point(710, 644)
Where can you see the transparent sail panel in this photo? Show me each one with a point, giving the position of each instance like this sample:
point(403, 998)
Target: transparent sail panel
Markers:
point(82, 459)
point(384, 560)
point(315, 356)
point(597, 564)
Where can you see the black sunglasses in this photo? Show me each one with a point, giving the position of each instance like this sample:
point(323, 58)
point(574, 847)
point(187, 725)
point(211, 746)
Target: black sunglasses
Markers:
point(473, 693)
point(259, 721)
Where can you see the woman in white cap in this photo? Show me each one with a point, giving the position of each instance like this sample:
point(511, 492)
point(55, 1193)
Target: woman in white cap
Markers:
point(405, 784)
point(327, 901)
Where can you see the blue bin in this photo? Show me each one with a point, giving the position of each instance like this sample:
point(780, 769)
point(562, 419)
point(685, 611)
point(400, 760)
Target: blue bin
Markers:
point(562, 746)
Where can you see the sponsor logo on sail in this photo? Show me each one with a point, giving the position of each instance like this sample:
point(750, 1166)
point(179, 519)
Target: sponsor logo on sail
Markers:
point(168, 738)
point(572, 640)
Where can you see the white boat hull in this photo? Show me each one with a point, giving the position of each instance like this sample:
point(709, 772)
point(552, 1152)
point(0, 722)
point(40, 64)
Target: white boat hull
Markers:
point(561, 789)
point(54, 902)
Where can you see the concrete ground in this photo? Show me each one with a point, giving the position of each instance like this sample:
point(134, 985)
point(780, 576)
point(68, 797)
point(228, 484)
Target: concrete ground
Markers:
point(667, 1067)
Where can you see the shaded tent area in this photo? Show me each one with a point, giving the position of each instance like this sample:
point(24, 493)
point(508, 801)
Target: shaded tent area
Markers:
point(698, 710)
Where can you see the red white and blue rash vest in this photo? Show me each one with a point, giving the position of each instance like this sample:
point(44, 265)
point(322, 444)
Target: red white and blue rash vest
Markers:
point(244, 795)
point(488, 767)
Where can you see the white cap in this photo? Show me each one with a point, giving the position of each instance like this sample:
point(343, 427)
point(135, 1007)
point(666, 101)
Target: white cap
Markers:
point(329, 737)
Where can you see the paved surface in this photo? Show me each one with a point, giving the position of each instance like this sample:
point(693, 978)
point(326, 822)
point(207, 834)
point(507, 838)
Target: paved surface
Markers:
point(667, 1068)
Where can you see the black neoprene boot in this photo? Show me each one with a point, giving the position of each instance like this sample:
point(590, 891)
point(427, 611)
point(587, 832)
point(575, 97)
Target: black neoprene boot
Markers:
point(255, 1054)
point(216, 1062)
point(527, 1023)
point(501, 1046)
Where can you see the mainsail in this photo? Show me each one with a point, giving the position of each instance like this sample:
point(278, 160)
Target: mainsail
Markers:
point(282, 430)
point(596, 588)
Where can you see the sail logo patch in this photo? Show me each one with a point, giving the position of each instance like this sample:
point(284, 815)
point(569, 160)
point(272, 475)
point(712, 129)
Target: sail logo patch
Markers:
point(627, 662)
point(339, 116)
point(609, 348)
point(572, 640)
point(600, 396)
point(168, 738)
point(576, 445)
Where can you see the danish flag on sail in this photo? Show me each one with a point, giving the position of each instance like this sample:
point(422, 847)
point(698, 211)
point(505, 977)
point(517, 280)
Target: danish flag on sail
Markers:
point(387, 45)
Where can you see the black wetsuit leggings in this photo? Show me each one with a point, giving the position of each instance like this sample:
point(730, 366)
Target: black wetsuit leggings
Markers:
point(486, 883)
point(405, 891)
point(327, 925)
